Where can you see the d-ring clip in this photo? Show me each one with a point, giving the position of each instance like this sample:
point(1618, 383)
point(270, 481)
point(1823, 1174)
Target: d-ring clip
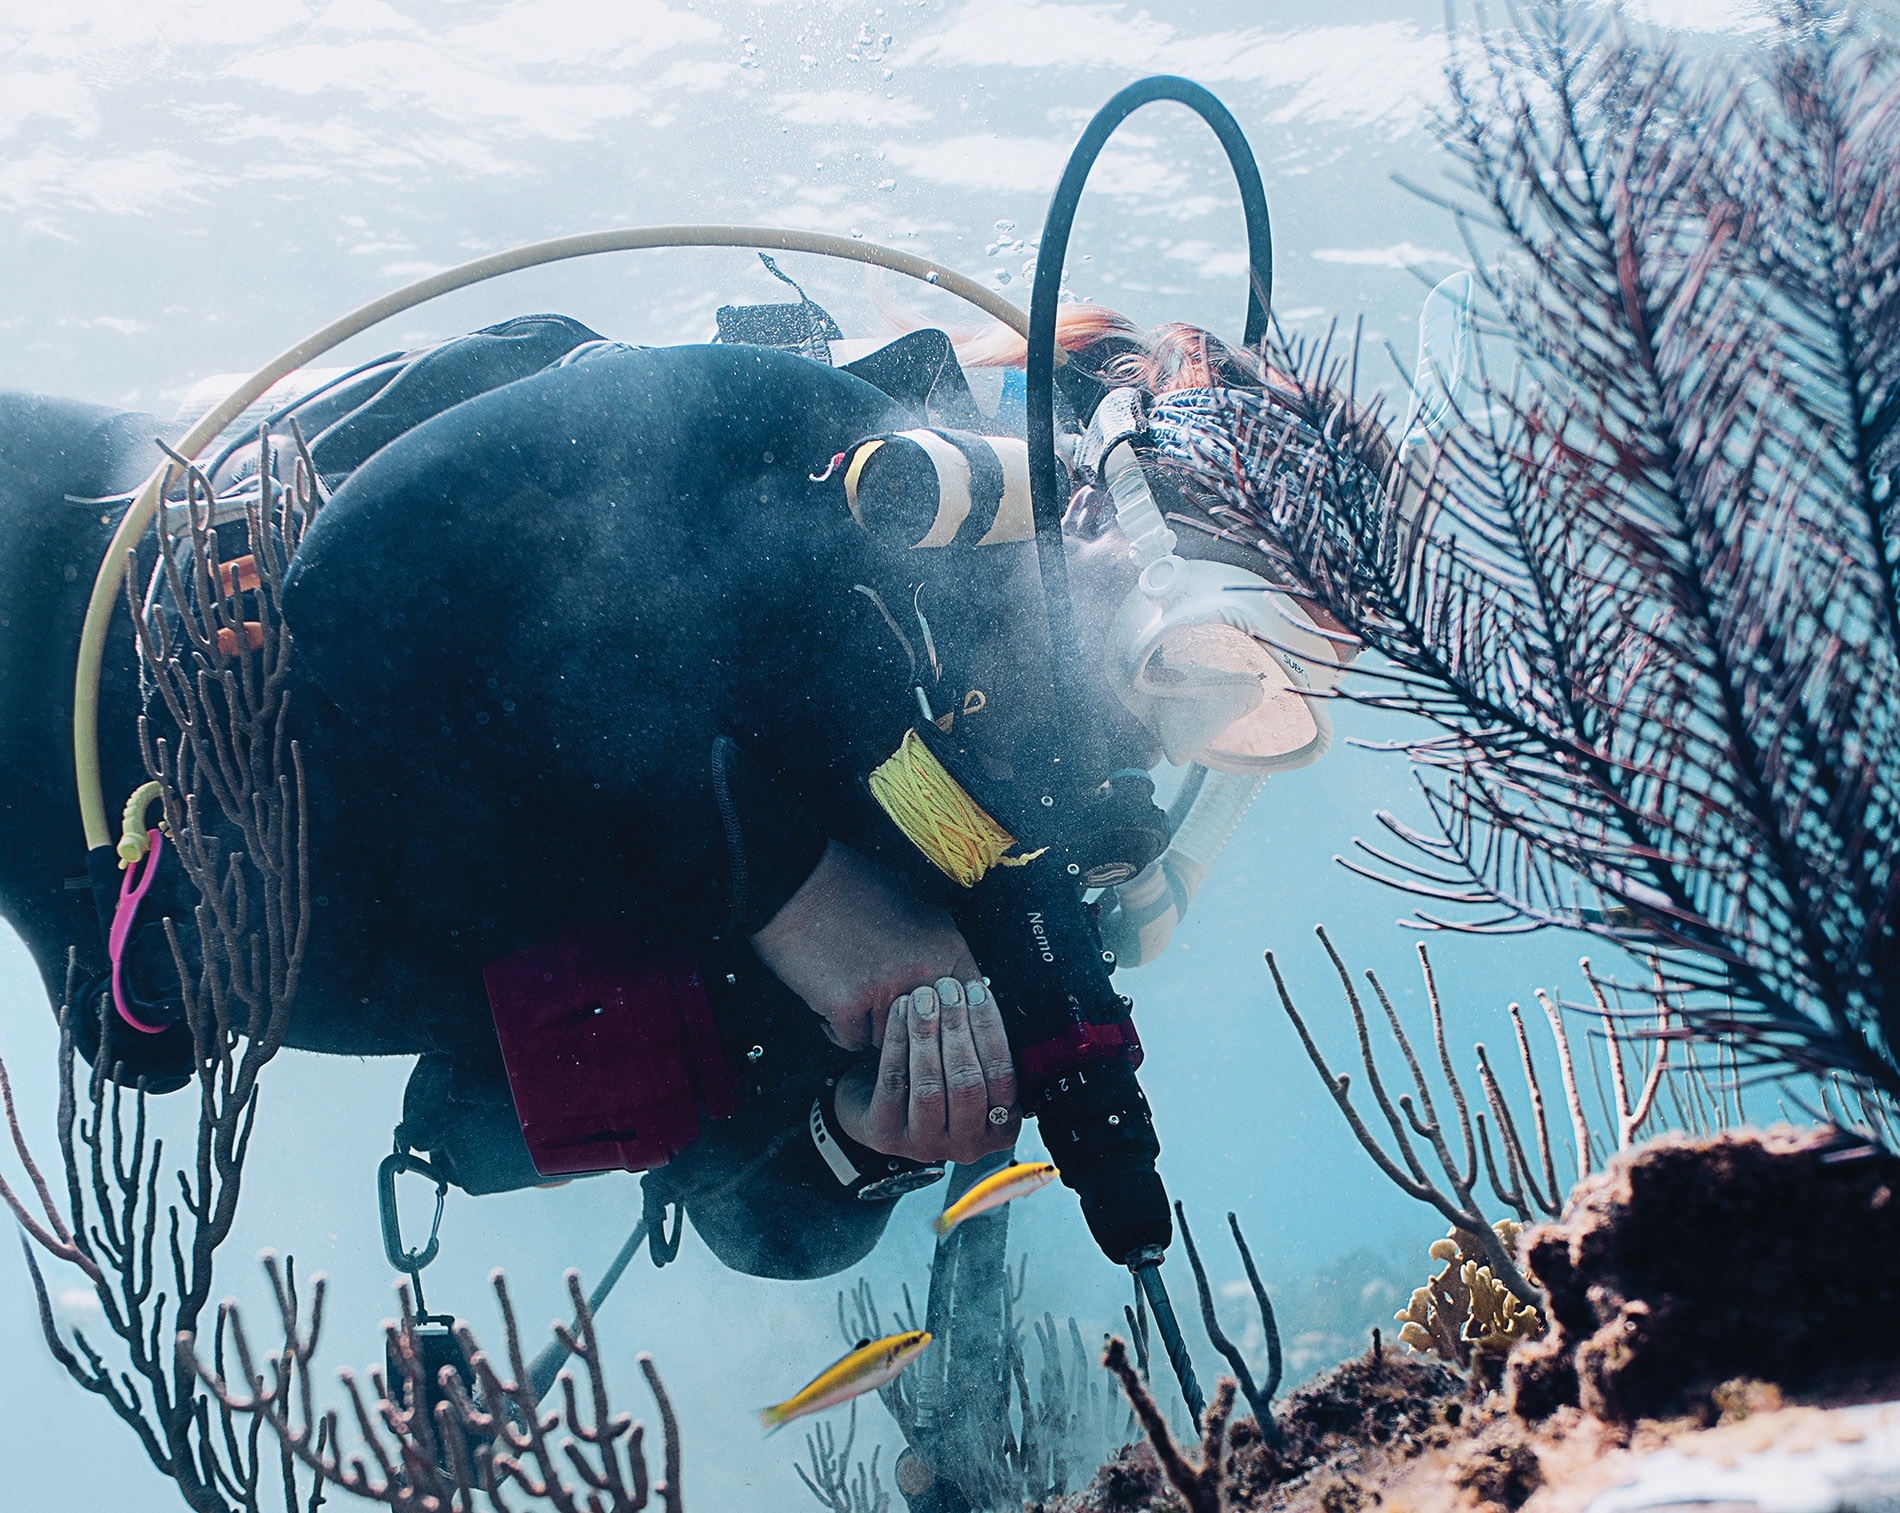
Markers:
point(394, 1165)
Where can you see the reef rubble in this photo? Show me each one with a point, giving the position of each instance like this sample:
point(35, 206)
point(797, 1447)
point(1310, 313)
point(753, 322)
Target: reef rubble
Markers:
point(1725, 1333)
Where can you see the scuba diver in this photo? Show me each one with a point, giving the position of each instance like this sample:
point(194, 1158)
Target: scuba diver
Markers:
point(628, 682)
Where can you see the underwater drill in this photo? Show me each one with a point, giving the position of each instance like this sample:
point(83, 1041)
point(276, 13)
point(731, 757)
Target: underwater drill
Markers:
point(1070, 1030)
point(1076, 1058)
point(1026, 919)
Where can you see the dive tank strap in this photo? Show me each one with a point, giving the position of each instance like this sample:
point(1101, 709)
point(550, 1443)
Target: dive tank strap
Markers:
point(934, 487)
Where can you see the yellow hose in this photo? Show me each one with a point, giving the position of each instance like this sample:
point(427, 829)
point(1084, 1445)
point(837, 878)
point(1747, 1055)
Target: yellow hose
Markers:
point(106, 586)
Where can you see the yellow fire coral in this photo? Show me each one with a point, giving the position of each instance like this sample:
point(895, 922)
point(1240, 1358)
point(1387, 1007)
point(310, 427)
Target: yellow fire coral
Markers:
point(1464, 1311)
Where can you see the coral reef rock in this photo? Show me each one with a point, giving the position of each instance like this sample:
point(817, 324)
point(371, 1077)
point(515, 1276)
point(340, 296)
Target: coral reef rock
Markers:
point(1370, 1412)
point(1690, 1262)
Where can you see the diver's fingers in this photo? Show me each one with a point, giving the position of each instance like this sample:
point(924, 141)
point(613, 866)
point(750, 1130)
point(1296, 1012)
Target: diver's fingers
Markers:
point(992, 1045)
point(888, 1113)
point(926, 1068)
point(967, 1093)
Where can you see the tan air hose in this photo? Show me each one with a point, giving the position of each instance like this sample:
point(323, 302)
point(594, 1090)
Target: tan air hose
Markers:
point(106, 586)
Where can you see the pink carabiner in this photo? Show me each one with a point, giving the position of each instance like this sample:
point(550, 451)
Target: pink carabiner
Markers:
point(131, 891)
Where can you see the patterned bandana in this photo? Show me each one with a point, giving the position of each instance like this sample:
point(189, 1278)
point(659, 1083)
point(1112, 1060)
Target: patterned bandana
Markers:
point(1260, 461)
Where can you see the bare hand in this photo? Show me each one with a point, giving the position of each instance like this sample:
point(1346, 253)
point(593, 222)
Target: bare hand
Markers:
point(851, 939)
point(944, 1066)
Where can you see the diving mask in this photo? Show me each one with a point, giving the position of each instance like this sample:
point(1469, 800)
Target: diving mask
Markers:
point(1219, 666)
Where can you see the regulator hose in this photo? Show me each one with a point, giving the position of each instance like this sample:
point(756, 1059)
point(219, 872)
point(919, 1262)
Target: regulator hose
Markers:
point(1051, 255)
point(111, 574)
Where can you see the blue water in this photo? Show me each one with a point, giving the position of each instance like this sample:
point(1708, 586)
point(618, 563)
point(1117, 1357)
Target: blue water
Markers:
point(185, 188)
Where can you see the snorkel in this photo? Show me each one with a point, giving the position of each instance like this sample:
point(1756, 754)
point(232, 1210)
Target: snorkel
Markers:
point(1076, 1051)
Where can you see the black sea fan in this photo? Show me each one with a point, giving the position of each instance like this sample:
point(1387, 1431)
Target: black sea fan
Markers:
point(1649, 591)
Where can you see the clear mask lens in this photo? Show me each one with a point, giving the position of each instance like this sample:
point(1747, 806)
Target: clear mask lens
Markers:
point(1222, 698)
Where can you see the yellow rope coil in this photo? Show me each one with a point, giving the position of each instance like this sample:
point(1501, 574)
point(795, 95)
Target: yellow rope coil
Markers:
point(940, 819)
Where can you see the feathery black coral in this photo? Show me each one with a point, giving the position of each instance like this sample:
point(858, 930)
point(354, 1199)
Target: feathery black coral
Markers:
point(1648, 592)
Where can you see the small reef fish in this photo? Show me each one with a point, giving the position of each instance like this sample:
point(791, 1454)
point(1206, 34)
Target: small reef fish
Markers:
point(870, 1366)
point(994, 1191)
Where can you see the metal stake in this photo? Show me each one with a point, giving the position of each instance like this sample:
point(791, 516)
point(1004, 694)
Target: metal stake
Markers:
point(546, 1366)
point(1146, 1265)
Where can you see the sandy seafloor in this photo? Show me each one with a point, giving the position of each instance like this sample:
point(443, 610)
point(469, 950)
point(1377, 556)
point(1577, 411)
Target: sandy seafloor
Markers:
point(187, 187)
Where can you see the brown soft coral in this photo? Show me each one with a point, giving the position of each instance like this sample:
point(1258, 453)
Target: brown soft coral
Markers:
point(1691, 1261)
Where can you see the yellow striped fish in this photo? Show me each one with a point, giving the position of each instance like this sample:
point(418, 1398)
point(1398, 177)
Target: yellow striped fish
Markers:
point(870, 1366)
point(994, 1191)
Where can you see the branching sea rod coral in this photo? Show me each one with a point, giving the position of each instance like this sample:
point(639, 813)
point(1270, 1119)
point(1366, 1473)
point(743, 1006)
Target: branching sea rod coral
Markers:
point(1201, 1487)
point(1259, 1396)
point(1487, 1149)
point(1454, 1194)
point(486, 1436)
point(1038, 1438)
point(1374, 1411)
point(833, 1478)
point(231, 784)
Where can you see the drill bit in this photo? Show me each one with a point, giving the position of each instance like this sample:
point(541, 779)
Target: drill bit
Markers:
point(1146, 1265)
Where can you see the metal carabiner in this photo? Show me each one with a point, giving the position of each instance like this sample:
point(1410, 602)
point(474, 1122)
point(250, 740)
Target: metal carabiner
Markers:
point(394, 1165)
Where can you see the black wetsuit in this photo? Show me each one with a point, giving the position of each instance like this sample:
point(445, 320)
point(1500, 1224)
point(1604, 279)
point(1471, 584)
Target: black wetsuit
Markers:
point(578, 636)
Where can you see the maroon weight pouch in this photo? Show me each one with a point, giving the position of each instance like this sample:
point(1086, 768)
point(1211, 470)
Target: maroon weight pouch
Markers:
point(610, 1048)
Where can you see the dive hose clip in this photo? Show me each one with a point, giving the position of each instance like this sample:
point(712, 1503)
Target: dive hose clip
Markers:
point(410, 1262)
point(416, 1357)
